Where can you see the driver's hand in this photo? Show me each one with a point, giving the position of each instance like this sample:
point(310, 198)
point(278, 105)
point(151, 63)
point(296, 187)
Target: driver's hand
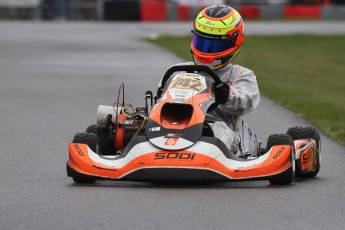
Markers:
point(159, 93)
point(222, 92)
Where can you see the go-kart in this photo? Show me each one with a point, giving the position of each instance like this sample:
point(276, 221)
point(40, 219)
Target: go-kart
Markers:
point(172, 140)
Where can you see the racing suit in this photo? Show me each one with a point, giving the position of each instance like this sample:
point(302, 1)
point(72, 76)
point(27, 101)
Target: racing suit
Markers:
point(244, 98)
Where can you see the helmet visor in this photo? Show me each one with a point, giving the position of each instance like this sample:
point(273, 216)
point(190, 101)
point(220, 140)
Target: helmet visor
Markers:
point(213, 44)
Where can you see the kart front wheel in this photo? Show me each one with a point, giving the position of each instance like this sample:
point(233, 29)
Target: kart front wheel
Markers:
point(298, 133)
point(84, 180)
point(286, 177)
point(79, 177)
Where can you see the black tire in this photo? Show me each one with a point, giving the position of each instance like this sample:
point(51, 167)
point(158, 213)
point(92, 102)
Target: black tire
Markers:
point(279, 139)
point(298, 133)
point(305, 132)
point(286, 177)
point(93, 129)
point(90, 139)
point(84, 179)
point(78, 177)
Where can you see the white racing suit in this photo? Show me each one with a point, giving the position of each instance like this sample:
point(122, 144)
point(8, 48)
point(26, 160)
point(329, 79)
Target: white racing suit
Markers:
point(244, 97)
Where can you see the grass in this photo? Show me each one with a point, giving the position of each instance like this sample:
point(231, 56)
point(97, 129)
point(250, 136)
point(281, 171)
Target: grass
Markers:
point(304, 73)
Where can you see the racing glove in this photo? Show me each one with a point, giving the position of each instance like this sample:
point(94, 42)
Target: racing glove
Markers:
point(158, 94)
point(222, 92)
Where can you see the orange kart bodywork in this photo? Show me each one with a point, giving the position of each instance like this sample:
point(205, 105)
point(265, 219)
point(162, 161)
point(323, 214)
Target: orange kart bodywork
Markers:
point(170, 165)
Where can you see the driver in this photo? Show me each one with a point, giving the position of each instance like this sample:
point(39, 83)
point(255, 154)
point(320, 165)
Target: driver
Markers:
point(218, 34)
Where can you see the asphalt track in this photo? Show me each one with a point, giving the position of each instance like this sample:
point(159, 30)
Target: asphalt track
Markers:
point(53, 76)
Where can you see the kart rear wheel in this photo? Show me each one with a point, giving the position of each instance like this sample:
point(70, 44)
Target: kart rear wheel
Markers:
point(298, 133)
point(286, 177)
point(93, 129)
point(90, 139)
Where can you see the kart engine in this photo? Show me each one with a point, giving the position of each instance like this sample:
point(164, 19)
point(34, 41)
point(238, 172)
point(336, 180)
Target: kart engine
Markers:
point(120, 124)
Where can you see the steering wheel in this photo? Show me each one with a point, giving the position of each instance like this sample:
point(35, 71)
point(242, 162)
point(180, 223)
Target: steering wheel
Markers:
point(192, 69)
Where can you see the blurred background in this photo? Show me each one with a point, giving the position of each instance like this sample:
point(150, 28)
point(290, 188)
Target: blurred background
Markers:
point(165, 10)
